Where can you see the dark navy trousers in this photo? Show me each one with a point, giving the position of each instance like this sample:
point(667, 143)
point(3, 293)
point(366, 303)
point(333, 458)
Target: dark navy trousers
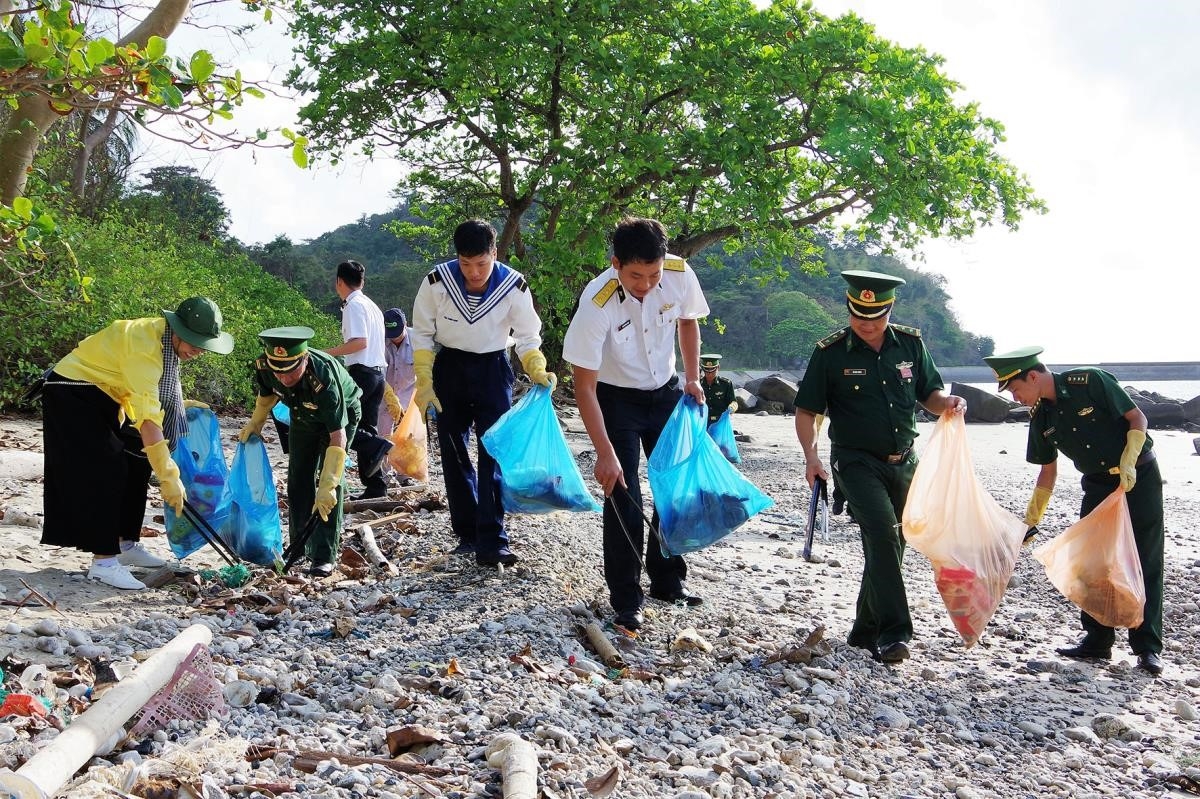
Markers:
point(634, 418)
point(474, 389)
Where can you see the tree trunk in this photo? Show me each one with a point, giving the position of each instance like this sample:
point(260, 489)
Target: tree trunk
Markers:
point(88, 142)
point(33, 116)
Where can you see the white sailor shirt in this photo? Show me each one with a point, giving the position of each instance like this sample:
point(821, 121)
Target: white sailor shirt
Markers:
point(630, 343)
point(442, 313)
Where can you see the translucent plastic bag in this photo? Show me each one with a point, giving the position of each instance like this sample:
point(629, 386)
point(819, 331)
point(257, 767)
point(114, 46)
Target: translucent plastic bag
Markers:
point(1095, 564)
point(253, 530)
point(203, 472)
point(538, 474)
point(971, 541)
point(409, 454)
point(699, 495)
point(722, 433)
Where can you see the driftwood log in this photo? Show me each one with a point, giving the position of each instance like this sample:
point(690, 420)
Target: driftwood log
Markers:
point(607, 653)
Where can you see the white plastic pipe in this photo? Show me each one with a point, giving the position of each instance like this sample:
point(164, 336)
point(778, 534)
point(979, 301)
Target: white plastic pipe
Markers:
point(517, 761)
point(44, 774)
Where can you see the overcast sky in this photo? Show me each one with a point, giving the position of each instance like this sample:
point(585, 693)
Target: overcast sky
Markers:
point(1101, 102)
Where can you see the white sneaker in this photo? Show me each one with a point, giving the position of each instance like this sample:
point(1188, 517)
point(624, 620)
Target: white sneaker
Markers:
point(138, 556)
point(116, 575)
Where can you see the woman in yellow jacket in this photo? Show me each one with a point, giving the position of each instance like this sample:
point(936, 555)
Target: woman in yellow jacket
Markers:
point(113, 410)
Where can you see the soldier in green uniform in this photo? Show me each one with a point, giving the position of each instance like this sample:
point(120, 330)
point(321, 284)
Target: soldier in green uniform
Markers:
point(1085, 414)
point(718, 391)
point(868, 378)
point(325, 409)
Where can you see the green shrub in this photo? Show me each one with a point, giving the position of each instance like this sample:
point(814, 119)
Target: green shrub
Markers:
point(137, 269)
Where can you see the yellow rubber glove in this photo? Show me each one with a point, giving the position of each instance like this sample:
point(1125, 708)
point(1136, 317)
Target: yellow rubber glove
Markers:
point(1037, 506)
point(534, 363)
point(1134, 441)
point(331, 478)
point(423, 369)
point(733, 406)
point(195, 404)
point(395, 409)
point(169, 484)
point(262, 409)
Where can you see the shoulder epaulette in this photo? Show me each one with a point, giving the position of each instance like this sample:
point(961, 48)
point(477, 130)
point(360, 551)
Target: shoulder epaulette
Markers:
point(674, 264)
point(522, 285)
point(260, 364)
point(603, 295)
point(833, 338)
point(912, 331)
point(1077, 378)
point(310, 376)
point(433, 277)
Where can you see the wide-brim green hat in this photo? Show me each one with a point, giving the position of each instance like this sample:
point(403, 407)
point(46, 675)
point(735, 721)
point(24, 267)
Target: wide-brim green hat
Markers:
point(198, 321)
point(285, 346)
point(1010, 364)
point(870, 295)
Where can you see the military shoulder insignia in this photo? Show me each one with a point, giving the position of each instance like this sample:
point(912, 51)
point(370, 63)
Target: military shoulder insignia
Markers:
point(522, 285)
point(674, 264)
point(433, 277)
point(833, 338)
point(1077, 379)
point(604, 294)
point(912, 331)
point(314, 382)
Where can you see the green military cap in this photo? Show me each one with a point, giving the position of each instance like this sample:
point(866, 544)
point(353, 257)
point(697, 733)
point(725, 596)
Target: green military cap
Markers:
point(285, 346)
point(870, 294)
point(1010, 364)
point(711, 361)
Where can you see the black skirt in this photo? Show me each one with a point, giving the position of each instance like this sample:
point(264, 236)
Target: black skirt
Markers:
point(96, 474)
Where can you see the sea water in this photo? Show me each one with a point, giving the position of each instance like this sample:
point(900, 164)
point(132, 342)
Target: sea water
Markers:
point(1182, 390)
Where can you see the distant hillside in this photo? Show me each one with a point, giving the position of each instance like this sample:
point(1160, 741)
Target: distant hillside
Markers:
point(754, 324)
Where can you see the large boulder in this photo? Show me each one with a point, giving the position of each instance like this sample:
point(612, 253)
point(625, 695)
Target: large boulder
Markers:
point(982, 406)
point(1164, 415)
point(777, 389)
point(1191, 410)
point(745, 400)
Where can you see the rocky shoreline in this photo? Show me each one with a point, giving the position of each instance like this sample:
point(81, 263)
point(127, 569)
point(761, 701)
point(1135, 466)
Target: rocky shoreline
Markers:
point(734, 698)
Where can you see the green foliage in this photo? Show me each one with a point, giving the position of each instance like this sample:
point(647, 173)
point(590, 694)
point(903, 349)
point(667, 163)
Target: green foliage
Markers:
point(140, 268)
point(179, 193)
point(759, 127)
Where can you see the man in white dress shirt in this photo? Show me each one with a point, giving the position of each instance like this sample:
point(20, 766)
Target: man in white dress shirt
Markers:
point(621, 342)
point(362, 350)
point(469, 306)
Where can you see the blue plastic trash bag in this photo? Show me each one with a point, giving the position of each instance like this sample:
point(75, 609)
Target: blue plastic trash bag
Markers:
point(282, 413)
point(700, 497)
point(203, 472)
point(722, 433)
point(253, 530)
point(537, 471)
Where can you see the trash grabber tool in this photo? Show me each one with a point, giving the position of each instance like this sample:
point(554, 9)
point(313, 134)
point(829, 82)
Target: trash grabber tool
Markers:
point(819, 499)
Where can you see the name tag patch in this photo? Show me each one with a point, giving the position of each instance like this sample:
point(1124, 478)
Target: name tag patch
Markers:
point(905, 368)
point(854, 372)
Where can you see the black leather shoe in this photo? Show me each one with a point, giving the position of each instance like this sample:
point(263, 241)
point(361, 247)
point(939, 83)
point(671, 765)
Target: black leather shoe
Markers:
point(1086, 651)
point(629, 619)
point(371, 493)
point(503, 556)
point(375, 457)
point(839, 505)
point(678, 596)
point(1150, 663)
point(464, 548)
point(321, 570)
point(895, 652)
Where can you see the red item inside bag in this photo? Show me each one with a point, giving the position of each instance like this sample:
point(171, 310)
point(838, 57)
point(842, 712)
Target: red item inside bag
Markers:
point(971, 541)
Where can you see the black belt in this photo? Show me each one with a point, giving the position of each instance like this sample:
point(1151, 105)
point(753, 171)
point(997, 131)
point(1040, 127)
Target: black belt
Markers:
point(628, 392)
point(376, 369)
point(896, 457)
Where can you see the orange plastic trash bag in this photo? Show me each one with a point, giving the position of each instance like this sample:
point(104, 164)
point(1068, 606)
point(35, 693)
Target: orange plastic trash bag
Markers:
point(951, 519)
point(409, 454)
point(1095, 564)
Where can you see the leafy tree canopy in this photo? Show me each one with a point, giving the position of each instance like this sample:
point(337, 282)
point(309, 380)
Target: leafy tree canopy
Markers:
point(756, 127)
